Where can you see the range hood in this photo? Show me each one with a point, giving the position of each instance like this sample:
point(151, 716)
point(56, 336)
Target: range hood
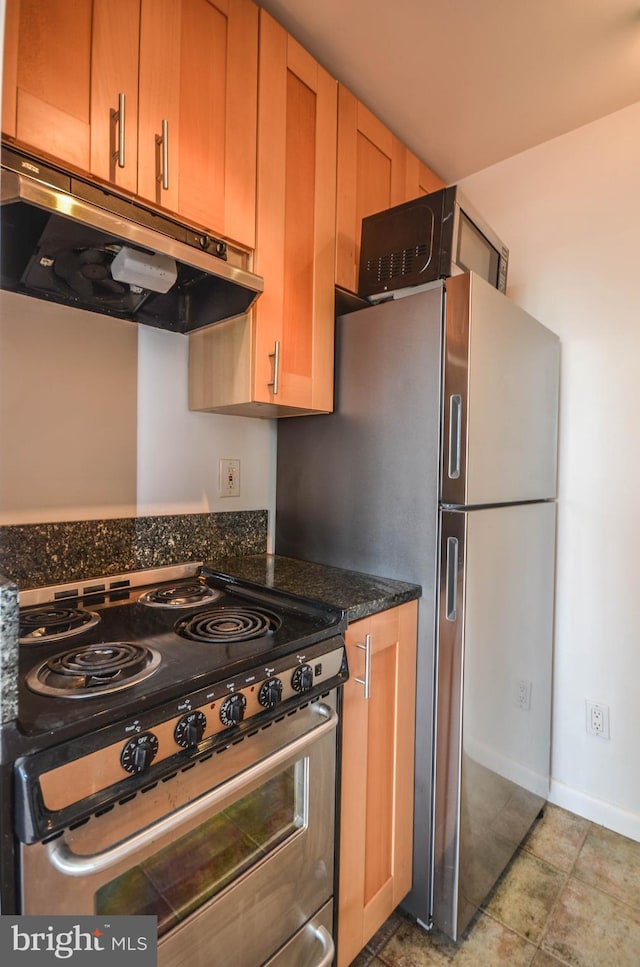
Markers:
point(75, 242)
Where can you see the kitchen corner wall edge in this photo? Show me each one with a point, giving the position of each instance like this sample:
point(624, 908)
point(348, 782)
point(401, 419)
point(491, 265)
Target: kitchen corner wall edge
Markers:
point(8, 648)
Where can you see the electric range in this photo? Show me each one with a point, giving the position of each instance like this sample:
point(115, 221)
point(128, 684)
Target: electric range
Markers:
point(155, 710)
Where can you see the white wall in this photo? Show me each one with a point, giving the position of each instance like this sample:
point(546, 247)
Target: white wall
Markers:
point(94, 422)
point(68, 404)
point(179, 451)
point(570, 212)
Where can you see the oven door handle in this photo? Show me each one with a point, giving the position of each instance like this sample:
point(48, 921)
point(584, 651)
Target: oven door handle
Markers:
point(68, 862)
point(328, 947)
point(325, 941)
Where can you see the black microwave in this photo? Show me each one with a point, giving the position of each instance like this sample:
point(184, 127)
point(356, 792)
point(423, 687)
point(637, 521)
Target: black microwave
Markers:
point(428, 238)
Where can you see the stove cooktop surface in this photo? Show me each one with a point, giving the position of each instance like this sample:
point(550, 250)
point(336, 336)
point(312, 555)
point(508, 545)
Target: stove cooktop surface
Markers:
point(91, 658)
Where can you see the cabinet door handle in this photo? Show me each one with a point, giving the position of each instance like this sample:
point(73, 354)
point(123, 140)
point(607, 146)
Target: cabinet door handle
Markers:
point(117, 118)
point(366, 681)
point(162, 147)
point(275, 355)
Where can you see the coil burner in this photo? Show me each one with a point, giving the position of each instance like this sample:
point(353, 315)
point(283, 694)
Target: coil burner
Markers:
point(184, 595)
point(220, 625)
point(94, 670)
point(53, 624)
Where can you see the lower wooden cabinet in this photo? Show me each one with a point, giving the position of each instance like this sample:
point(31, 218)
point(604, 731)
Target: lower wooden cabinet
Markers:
point(376, 826)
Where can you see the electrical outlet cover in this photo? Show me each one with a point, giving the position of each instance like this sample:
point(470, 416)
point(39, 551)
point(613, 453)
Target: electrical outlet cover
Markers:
point(522, 696)
point(229, 477)
point(598, 719)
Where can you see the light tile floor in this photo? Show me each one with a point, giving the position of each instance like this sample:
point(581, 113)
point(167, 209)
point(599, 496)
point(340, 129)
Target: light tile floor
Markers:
point(571, 896)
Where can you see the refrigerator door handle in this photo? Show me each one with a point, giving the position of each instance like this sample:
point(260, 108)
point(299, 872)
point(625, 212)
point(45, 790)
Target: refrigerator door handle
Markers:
point(451, 588)
point(455, 435)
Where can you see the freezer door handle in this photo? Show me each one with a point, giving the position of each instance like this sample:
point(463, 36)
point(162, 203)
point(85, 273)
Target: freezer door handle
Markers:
point(451, 589)
point(455, 435)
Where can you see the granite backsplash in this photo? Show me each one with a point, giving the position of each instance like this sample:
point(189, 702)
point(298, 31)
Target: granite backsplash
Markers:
point(35, 555)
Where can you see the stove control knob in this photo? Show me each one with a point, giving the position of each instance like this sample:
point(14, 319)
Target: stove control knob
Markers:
point(190, 729)
point(302, 678)
point(232, 709)
point(270, 693)
point(139, 753)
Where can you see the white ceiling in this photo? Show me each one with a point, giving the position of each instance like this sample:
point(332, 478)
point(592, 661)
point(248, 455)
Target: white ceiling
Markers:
point(467, 83)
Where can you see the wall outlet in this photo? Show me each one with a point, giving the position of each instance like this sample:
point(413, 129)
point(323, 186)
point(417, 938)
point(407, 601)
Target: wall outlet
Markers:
point(522, 697)
point(229, 477)
point(598, 719)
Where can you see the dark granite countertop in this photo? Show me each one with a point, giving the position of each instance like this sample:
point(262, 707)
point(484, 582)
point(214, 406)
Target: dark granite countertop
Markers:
point(358, 594)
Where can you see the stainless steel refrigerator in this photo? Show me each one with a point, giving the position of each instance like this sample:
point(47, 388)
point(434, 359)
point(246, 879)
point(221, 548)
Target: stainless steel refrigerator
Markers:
point(438, 467)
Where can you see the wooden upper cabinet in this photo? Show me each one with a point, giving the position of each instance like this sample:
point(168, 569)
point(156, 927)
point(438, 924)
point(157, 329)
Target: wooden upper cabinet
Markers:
point(420, 179)
point(47, 77)
point(375, 171)
point(378, 728)
point(278, 361)
point(185, 70)
point(295, 242)
point(188, 71)
point(198, 89)
point(114, 85)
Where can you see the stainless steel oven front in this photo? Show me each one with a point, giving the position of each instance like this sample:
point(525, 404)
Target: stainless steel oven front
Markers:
point(233, 852)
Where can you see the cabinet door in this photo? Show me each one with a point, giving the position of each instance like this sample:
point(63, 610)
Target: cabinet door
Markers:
point(114, 85)
point(46, 97)
point(375, 171)
point(371, 177)
point(295, 232)
point(376, 826)
point(421, 180)
point(198, 90)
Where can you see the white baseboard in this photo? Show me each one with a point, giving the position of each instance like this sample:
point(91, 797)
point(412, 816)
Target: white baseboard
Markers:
point(596, 810)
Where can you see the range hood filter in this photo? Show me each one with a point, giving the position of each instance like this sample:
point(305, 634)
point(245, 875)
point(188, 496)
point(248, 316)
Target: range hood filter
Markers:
point(148, 270)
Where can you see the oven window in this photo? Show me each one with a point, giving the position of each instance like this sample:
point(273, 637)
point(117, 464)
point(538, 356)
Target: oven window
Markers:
point(183, 876)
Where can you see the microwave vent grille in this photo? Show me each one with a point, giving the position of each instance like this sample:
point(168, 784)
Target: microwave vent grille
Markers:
point(395, 265)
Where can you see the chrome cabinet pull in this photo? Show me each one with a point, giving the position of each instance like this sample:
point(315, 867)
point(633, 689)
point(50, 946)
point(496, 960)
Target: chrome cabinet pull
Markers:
point(366, 681)
point(162, 146)
point(275, 355)
point(451, 590)
point(66, 861)
point(118, 118)
point(455, 435)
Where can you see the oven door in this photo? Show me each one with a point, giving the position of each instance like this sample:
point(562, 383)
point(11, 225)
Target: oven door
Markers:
point(234, 854)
